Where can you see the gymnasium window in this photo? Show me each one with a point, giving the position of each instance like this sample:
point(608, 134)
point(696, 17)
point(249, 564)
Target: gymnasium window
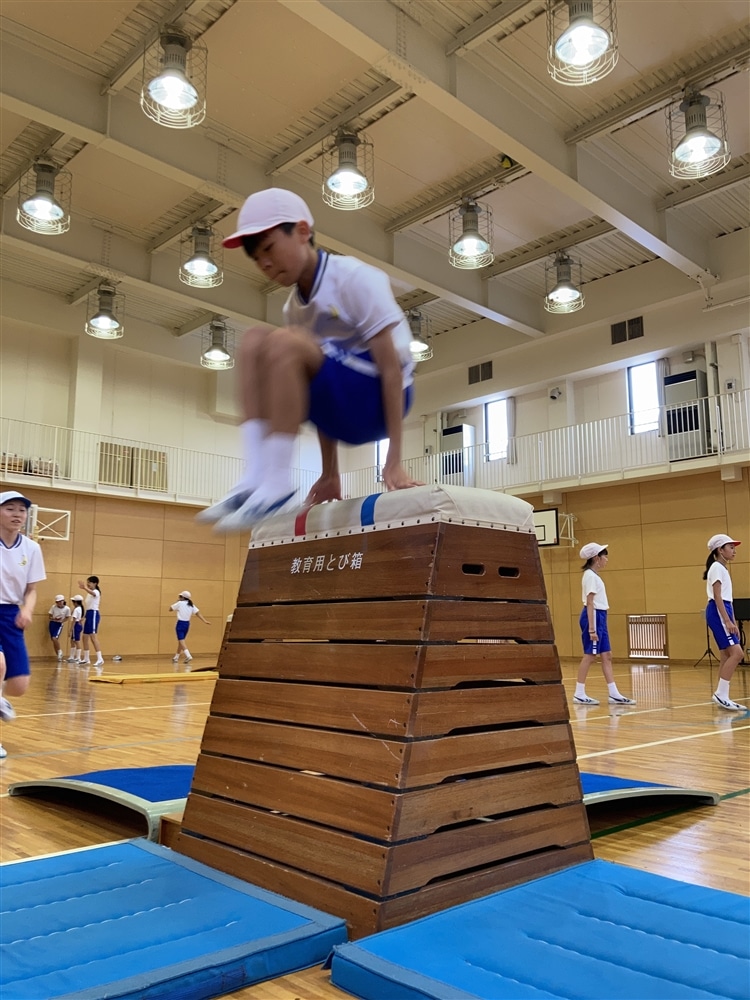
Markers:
point(381, 451)
point(643, 398)
point(496, 429)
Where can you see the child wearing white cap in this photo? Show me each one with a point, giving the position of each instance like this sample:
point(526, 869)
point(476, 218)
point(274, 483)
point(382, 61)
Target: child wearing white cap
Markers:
point(58, 615)
point(594, 632)
point(76, 628)
point(720, 616)
point(21, 569)
point(184, 609)
point(342, 360)
point(91, 620)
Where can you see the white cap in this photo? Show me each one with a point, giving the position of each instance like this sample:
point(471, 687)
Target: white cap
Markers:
point(185, 593)
point(77, 597)
point(591, 549)
point(13, 495)
point(60, 597)
point(716, 542)
point(266, 209)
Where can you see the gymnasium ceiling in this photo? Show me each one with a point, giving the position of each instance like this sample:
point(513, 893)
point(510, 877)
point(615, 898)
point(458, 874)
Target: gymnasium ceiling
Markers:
point(456, 98)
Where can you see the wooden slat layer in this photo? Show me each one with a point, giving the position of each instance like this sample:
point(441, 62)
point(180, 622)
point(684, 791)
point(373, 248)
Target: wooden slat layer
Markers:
point(363, 914)
point(390, 713)
point(426, 559)
point(390, 665)
point(388, 762)
point(383, 815)
point(432, 620)
point(374, 868)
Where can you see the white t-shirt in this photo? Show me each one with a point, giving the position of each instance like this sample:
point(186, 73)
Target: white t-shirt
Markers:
point(184, 611)
point(20, 565)
point(58, 614)
point(91, 601)
point(720, 573)
point(592, 584)
point(349, 303)
point(77, 613)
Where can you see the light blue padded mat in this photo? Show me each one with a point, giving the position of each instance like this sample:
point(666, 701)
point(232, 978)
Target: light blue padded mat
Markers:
point(596, 930)
point(137, 920)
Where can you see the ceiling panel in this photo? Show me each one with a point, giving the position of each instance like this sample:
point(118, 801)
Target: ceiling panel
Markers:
point(80, 24)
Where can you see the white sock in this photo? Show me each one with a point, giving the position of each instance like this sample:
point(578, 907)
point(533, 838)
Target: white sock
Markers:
point(253, 433)
point(722, 689)
point(612, 688)
point(580, 691)
point(188, 655)
point(277, 466)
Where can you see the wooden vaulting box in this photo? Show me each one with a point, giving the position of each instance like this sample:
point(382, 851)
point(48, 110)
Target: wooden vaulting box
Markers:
point(389, 733)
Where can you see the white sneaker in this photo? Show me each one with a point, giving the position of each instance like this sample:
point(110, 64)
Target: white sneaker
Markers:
point(99, 662)
point(620, 699)
point(188, 659)
point(3, 752)
point(71, 659)
point(176, 659)
point(728, 704)
point(584, 700)
point(7, 711)
point(227, 505)
point(59, 655)
point(253, 511)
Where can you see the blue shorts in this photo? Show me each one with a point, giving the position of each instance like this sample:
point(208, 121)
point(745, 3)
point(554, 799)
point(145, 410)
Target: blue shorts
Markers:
point(55, 628)
point(12, 643)
point(91, 623)
point(347, 405)
point(77, 629)
point(723, 638)
point(182, 629)
point(603, 643)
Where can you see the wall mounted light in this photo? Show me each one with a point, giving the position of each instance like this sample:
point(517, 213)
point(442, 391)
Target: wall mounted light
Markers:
point(581, 40)
point(44, 199)
point(470, 235)
point(201, 258)
point(348, 170)
point(421, 336)
point(697, 134)
point(105, 311)
point(217, 346)
point(174, 80)
point(563, 284)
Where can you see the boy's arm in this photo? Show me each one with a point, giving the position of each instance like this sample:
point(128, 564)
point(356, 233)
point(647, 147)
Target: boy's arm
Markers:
point(384, 355)
point(26, 610)
point(328, 486)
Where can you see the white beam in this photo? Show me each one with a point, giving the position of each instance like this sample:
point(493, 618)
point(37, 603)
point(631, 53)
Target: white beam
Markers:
point(484, 27)
point(525, 257)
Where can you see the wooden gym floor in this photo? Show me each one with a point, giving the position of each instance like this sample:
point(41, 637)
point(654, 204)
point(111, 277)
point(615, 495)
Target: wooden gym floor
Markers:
point(675, 735)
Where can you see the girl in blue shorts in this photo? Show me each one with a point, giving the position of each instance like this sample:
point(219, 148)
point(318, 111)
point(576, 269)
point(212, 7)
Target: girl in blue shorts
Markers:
point(76, 630)
point(91, 618)
point(720, 616)
point(184, 609)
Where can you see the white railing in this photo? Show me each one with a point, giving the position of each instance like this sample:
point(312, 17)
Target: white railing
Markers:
point(716, 428)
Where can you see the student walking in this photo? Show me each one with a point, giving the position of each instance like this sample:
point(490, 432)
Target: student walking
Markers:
point(184, 609)
point(76, 628)
point(593, 622)
point(21, 569)
point(58, 615)
point(342, 361)
point(91, 619)
point(720, 616)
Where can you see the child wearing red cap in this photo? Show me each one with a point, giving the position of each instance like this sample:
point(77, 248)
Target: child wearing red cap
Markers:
point(720, 616)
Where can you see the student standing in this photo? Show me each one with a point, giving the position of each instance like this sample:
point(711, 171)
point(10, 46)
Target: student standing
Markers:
point(21, 569)
point(720, 616)
point(91, 619)
point(594, 632)
point(58, 615)
point(184, 609)
point(76, 628)
point(342, 361)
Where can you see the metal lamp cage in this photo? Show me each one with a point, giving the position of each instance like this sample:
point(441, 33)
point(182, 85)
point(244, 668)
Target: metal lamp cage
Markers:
point(176, 51)
point(421, 335)
point(562, 15)
point(563, 268)
point(202, 245)
point(54, 185)
point(346, 148)
point(472, 217)
point(217, 345)
point(702, 110)
point(105, 299)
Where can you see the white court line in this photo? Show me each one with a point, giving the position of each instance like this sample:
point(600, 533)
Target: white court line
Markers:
point(105, 711)
point(629, 712)
point(658, 743)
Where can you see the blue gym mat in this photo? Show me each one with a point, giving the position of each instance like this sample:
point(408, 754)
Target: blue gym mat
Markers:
point(136, 920)
point(596, 930)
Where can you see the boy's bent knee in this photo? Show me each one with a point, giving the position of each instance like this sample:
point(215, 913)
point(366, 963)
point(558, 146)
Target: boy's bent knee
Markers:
point(16, 686)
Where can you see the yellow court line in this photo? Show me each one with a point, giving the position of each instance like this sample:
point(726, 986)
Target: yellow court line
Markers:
point(631, 712)
point(658, 743)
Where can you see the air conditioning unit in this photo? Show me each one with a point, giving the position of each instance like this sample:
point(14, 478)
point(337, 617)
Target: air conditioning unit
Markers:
point(457, 455)
point(687, 415)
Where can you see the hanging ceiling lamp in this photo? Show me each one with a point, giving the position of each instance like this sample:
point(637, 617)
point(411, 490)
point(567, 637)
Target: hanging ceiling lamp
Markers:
point(470, 235)
point(217, 342)
point(44, 199)
point(581, 40)
point(348, 171)
point(202, 259)
point(697, 134)
point(563, 284)
point(105, 310)
point(174, 80)
point(421, 337)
